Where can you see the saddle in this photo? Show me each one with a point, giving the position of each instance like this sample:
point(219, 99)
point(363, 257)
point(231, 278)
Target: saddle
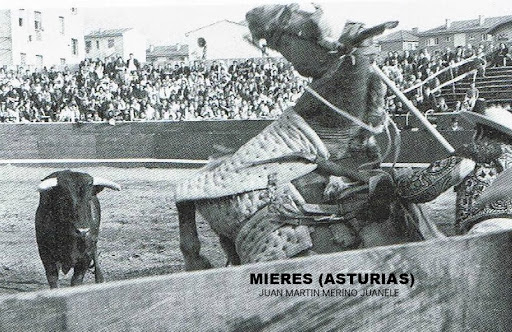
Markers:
point(289, 225)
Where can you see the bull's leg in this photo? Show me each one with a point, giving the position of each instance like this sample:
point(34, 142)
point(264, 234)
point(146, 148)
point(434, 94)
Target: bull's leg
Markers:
point(52, 273)
point(98, 275)
point(189, 240)
point(230, 250)
point(79, 272)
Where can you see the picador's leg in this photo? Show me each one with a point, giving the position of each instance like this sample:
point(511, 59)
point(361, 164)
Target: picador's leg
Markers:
point(230, 250)
point(189, 240)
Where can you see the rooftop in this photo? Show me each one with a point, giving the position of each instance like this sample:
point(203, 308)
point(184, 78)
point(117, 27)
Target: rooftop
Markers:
point(402, 35)
point(167, 51)
point(108, 32)
point(469, 25)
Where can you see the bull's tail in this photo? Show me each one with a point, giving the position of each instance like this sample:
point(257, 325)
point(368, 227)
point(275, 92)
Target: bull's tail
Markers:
point(189, 239)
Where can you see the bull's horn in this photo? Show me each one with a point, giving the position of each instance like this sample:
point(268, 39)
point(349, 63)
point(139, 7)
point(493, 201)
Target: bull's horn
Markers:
point(47, 184)
point(105, 183)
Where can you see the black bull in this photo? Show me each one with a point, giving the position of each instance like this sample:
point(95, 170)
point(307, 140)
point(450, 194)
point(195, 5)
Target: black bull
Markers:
point(67, 224)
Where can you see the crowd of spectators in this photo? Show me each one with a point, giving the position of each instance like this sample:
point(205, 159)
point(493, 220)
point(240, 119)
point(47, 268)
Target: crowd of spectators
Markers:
point(125, 90)
point(119, 89)
point(409, 68)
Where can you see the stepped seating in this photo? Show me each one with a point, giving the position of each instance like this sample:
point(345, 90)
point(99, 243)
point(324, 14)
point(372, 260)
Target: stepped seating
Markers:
point(495, 87)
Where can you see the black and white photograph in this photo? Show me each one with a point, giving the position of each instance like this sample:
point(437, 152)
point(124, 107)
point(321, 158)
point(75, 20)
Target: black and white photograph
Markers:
point(256, 166)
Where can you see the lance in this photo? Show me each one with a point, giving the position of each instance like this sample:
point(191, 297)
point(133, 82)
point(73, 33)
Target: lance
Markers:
point(413, 109)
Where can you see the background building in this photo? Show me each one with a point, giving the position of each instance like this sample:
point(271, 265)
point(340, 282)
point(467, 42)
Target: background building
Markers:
point(112, 43)
point(399, 41)
point(168, 53)
point(461, 33)
point(223, 40)
point(41, 37)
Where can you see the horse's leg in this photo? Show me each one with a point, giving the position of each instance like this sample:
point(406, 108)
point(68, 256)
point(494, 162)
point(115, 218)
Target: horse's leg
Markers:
point(230, 250)
point(189, 240)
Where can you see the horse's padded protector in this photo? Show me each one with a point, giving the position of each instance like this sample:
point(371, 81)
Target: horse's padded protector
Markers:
point(228, 214)
point(264, 238)
point(256, 229)
point(237, 174)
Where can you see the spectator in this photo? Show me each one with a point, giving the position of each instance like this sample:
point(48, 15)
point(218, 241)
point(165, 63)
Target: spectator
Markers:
point(442, 106)
point(400, 108)
point(471, 95)
point(502, 55)
point(132, 64)
point(455, 125)
point(391, 107)
point(120, 68)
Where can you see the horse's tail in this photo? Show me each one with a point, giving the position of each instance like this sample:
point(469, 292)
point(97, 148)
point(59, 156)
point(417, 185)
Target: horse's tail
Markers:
point(189, 239)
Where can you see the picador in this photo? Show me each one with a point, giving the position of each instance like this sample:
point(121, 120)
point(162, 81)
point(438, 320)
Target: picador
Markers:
point(309, 182)
point(472, 171)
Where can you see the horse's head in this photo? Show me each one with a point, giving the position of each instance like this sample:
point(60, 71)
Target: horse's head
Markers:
point(297, 33)
point(264, 21)
point(270, 21)
point(303, 36)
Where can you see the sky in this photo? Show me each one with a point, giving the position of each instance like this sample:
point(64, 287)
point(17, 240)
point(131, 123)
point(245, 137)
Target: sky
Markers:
point(166, 21)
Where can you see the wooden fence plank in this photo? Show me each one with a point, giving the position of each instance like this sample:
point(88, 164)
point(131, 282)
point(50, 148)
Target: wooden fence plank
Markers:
point(66, 145)
point(179, 140)
point(461, 284)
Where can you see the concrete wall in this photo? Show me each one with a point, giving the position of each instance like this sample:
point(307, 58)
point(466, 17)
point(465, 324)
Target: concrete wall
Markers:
point(443, 41)
point(129, 42)
point(5, 38)
point(398, 46)
point(100, 50)
point(51, 42)
point(176, 140)
point(135, 43)
point(452, 40)
point(461, 284)
point(391, 46)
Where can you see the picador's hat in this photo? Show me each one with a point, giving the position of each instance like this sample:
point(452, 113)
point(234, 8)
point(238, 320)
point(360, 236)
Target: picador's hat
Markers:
point(495, 117)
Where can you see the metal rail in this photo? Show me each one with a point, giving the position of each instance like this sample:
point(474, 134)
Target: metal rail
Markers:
point(413, 109)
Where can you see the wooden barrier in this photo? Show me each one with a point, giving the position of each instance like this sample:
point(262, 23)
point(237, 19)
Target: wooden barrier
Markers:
point(460, 284)
point(178, 140)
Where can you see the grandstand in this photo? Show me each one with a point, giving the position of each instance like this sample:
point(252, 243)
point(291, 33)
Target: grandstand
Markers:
point(495, 87)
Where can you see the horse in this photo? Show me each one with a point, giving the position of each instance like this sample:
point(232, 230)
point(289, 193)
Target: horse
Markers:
point(304, 185)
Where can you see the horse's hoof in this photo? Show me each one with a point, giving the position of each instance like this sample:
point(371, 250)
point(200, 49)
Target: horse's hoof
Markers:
point(199, 263)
